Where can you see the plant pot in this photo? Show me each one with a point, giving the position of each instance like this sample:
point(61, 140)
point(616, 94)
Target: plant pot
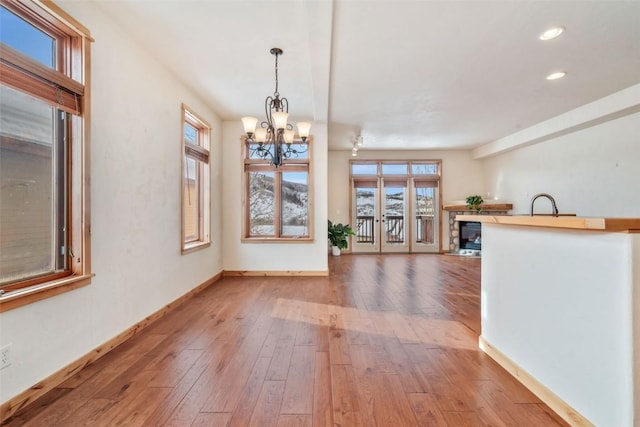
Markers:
point(335, 251)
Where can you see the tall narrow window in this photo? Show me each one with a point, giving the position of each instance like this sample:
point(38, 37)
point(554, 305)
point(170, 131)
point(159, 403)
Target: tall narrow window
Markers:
point(195, 182)
point(277, 200)
point(44, 220)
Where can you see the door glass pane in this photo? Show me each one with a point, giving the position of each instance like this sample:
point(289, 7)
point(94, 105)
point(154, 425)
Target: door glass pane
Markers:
point(32, 195)
point(27, 39)
point(394, 169)
point(191, 200)
point(394, 206)
point(425, 215)
point(295, 203)
point(365, 214)
point(261, 204)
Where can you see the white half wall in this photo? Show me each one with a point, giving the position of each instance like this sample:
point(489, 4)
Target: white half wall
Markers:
point(461, 176)
point(281, 256)
point(135, 212)
point(562, 309)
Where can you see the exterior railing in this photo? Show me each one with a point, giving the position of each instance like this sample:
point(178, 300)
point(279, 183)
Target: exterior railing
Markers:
point(394, 229)
point(364, 229)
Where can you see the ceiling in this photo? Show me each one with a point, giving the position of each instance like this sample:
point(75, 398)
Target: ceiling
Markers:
point(415, 74)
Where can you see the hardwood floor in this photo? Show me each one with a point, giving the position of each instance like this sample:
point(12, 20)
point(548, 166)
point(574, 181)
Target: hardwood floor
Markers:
point(385, 340)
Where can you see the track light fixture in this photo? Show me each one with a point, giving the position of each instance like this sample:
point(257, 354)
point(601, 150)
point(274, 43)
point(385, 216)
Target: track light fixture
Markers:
point(357, 143)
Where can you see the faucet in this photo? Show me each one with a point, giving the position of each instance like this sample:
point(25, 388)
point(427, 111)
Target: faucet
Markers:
point(548, 196)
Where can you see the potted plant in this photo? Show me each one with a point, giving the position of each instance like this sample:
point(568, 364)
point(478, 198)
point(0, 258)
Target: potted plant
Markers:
point(474, 202)
point(338, 235)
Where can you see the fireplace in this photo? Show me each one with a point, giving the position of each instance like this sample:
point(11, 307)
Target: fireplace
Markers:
point(470, 243)
point(470, 235)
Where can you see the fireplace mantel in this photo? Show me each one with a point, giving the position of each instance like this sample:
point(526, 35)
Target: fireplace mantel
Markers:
point(460, 208)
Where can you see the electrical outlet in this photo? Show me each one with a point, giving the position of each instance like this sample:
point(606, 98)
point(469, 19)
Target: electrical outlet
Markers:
point(5, 356)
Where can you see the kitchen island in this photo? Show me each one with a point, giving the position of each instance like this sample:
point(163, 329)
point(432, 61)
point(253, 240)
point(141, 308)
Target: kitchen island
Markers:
point(560, 310)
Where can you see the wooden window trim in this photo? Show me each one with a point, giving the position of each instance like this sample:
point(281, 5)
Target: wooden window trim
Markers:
point(24, 296)
point(24, 64)
point(74, 64)
point(290, 165)
point(199, 152)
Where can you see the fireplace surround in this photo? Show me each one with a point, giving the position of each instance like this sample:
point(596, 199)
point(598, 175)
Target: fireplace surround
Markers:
point(454, 226)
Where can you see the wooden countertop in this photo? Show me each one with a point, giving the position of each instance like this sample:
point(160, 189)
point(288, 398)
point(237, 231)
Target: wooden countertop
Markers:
point(631, 225)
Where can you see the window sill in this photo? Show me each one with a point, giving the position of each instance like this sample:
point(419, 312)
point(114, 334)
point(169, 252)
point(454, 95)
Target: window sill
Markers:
point(31, 294)
point(194, 246)
point(277, 240)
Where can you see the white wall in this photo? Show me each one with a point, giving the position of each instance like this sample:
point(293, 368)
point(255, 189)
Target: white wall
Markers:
point(591, 172)
point(135, 212)
point(461, 176)
point(285, 256)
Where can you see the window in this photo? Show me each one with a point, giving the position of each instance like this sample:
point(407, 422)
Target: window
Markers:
point(44, 219)
point(277, 201)
point(195, 182)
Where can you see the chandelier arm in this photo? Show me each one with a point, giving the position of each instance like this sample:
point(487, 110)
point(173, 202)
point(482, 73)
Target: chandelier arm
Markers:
point(301, 151)
point(256, 151)
point(268, 107)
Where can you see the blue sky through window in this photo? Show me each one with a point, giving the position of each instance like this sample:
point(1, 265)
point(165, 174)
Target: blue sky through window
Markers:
point(297, 177)
point(26, 38)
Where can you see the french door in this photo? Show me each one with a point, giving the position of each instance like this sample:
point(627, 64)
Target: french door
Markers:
point(398, 212)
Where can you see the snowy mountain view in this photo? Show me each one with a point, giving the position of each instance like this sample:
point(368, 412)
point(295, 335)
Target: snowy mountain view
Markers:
point(294, 204)
point(394, 202)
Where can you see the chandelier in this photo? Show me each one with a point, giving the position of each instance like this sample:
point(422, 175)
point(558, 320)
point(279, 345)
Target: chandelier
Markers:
point(273, 140)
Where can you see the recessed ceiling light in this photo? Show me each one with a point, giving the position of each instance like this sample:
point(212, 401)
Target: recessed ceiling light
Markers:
point(551, 33)
point(556, 75)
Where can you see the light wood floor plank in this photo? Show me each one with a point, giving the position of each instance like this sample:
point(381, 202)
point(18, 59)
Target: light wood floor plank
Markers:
point(212, 419)
point(384, 340)
point(266, 412)
point(322, 403)
point(298, 392)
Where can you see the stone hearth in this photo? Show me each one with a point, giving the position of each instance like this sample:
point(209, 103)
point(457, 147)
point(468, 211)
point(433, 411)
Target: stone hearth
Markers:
point(454, 227)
